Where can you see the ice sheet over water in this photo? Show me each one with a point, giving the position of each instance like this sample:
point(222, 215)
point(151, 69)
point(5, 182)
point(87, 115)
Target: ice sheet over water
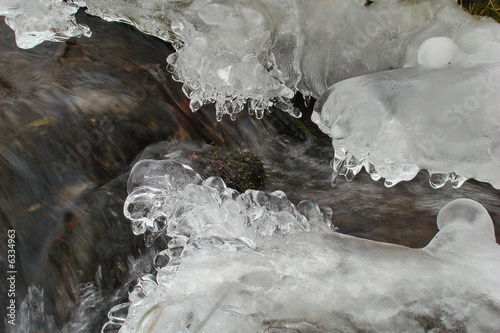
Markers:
point(254, 262)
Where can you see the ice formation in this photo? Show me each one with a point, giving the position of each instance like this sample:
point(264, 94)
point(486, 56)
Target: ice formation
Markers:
point(260, 53)
point(402, 85)
point(254, 262)
point(166, 196)
point(441, 112)
point(35, 21)
point(445, 119)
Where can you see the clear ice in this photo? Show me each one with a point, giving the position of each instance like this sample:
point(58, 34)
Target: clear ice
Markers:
point(254, 262)
point(438, 112)
point(35, 21)
point(394, 123)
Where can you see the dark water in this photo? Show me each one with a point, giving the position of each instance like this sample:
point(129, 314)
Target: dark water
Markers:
point(74, 118)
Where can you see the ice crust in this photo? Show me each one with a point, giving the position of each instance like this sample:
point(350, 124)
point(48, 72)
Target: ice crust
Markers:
point(168, 197)
point(254, 262)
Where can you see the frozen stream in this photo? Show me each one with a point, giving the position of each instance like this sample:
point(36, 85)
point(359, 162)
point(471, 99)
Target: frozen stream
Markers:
point(96, 141)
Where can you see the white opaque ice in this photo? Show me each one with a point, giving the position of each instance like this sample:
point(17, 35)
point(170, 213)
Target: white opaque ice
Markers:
point(437, 52)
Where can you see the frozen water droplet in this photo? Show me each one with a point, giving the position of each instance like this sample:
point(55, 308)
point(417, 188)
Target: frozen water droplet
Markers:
point(334, 177)
point(177, 45)
point(309, 209)
point(172, 58)
point(119, 312)
point(349, 175)
point(139, 226)
point(195, 103)
point(149, 237)
point(457, 180)
point(259, 113)
point(160, 222)
point(307, 100)
point(438, 180)
point(389, 183)
point(219, 115)
point(351, 161)
point(176, 77)
point(296, 112)
point(161, 260)
point(136, 294)
point(216, 183)
point(328, 217)
point(372, 170)
point(187, 90)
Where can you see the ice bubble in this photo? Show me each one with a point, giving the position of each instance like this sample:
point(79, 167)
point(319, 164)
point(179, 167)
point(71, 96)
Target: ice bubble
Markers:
point(437, 52)
point(469, 214)
point(164, 174)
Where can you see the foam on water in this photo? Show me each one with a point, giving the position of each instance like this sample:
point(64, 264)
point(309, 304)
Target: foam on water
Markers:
point(254, 262)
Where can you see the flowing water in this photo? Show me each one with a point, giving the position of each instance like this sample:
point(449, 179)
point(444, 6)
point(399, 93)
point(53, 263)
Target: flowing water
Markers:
point(76, 116)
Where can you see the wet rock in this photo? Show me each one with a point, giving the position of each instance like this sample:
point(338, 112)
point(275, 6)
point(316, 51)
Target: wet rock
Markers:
point(240, 170)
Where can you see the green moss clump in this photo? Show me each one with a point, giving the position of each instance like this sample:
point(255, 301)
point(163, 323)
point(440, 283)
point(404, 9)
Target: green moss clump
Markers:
point(489, 8)
point(239, 170)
